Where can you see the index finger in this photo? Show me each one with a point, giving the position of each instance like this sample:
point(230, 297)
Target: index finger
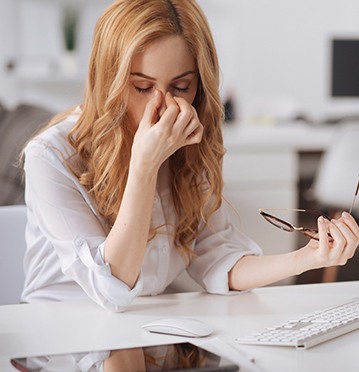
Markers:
point(323, 230)
point(171, 112)
point(186, 108)
point(349, 220)
point(150, 114)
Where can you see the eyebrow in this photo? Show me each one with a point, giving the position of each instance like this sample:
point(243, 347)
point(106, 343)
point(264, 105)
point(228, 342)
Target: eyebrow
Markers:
point(140, 74)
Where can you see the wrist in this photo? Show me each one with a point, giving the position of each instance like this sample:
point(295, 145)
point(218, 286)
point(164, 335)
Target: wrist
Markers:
point(300, 263)
point(143, 171)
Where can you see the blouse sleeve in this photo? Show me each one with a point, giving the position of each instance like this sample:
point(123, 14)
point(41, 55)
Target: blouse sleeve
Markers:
point(67, 219)
point(218, 247)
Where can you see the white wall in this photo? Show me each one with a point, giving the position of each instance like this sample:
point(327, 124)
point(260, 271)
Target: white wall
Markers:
point(31, 35)
point(274, 54)
point(7, 43)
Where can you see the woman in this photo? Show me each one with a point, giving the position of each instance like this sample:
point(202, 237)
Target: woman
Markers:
point(125, 193)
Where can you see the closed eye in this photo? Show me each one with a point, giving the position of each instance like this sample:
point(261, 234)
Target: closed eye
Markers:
point(143, 90)
point(181, 90)
point(149, 89)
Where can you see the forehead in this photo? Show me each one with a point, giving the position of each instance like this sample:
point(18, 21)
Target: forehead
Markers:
point(168, 55)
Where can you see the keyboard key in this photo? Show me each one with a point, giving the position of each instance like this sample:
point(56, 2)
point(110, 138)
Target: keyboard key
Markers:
point(311, 329)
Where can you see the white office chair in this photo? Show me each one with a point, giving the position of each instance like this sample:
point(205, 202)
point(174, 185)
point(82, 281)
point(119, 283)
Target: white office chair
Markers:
point(337, 176)
point(12, 248)
point(338, 171)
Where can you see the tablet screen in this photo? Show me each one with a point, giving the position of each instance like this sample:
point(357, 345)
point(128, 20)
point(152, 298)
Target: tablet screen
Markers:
point(172, 357)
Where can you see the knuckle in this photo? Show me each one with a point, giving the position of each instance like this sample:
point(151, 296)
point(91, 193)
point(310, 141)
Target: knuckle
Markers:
point(351, 242)
point(196, 138)
point(340, 241)
point(175, 110)
point(186, 115)
point(194, 112)
point(173, 107)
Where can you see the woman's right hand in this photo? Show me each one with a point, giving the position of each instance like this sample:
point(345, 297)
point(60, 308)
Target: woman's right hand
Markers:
point(157, 138)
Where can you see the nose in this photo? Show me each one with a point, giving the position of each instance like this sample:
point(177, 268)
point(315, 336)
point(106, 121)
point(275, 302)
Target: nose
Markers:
point(163, 106)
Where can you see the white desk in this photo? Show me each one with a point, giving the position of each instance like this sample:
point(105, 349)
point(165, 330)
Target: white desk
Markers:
point(47, 328)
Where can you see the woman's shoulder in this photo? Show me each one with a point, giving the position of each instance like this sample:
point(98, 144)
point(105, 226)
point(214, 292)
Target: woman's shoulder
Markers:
point(55, 137)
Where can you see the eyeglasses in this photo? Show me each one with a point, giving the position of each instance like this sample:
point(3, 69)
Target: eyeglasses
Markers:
point(286, 226)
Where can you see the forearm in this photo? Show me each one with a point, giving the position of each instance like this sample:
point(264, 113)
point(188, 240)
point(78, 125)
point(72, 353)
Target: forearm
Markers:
point(256, 271)
point(154, 142)
point(338, 240)
point(126, 243)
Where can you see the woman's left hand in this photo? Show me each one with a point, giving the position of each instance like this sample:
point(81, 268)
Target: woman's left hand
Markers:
point(338, 241)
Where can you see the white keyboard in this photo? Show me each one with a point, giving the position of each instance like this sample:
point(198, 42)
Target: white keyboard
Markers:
point(310, 330)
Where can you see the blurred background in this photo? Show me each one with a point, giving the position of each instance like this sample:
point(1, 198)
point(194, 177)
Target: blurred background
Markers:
point(276, 56)
point(289, 83)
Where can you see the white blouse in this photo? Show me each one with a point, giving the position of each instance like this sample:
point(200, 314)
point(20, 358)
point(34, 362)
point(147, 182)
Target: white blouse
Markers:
point(65, 235)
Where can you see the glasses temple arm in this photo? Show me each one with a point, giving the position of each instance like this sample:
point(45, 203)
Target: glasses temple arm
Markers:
point(355, 196)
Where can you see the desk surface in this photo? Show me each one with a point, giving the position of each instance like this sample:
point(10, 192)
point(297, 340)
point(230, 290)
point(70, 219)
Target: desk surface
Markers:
point(68, 327)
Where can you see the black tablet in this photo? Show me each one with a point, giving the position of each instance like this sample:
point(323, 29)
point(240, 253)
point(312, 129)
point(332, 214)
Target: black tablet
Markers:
point(170, 357)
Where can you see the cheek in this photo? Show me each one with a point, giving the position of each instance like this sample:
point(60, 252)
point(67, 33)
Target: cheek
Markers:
point(190, 96)
point(135, 110)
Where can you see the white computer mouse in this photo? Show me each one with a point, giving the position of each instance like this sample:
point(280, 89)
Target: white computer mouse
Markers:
point(179, 326)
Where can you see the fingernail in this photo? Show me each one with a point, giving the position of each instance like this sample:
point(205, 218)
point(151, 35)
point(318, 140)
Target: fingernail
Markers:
point(345, 214)
point(321, 219)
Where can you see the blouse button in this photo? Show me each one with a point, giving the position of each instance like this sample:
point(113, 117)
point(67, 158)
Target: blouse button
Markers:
point(165, 249)
point(156, 199)
point(79, 242)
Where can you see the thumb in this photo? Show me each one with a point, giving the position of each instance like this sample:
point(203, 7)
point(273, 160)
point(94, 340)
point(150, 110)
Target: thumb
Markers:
point(150, 114)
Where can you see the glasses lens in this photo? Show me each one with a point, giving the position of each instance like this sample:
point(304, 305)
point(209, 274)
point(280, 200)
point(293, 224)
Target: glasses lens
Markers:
point(279, 223)
point(302, 217)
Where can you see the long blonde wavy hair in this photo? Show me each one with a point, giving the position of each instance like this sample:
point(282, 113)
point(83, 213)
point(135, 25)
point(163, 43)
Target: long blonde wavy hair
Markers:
point(101, 137)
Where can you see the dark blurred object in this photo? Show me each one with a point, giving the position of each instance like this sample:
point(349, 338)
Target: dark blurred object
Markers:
point(341, 119)
point(17, 126)
point(327, 121)
point(11, 64)
point(345, 68)
point(229, 110)
point(70, 20)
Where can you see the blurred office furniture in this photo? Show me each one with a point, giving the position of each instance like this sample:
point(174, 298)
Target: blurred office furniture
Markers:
point(337, 177)
point(17, 126)
point(12, 233)
point(338, 171)
point(262, 169)
point(45, 60)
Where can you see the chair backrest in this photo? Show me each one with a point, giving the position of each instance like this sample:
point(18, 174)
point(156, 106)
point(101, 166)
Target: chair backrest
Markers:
point(338, 172)
point(12, 247)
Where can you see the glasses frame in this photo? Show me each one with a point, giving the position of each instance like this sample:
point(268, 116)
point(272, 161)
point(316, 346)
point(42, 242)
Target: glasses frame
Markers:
point(309, 232)
point(354, 198)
